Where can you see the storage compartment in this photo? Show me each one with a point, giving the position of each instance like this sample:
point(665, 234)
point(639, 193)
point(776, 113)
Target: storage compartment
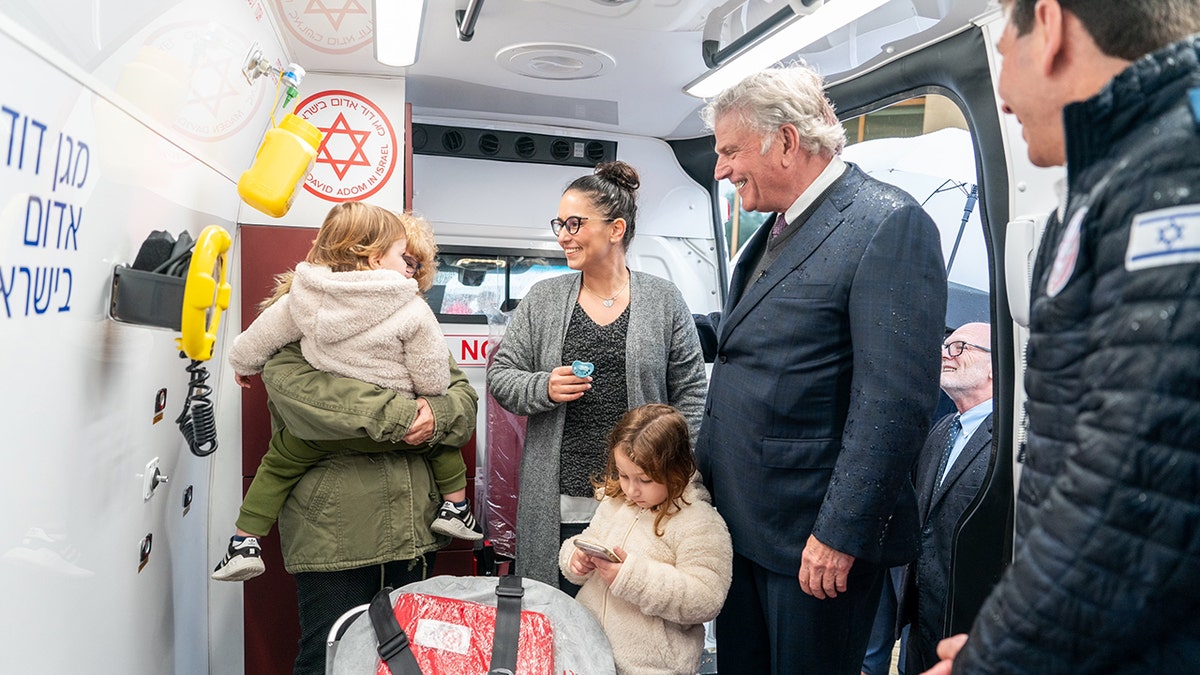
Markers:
point(146, 298)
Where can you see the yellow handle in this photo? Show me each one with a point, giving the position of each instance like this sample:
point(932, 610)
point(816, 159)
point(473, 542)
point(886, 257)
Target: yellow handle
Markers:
point(205, 294)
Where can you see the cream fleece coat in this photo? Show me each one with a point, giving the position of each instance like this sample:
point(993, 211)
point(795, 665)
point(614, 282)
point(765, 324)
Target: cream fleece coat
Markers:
point(370, 325)
point(666, 588)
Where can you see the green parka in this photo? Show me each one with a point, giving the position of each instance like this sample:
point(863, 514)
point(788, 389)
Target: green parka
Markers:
point(371, 501)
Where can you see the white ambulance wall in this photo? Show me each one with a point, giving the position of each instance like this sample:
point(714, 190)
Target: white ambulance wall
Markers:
point(175, 66)
point(103, 135)
point(510, 204)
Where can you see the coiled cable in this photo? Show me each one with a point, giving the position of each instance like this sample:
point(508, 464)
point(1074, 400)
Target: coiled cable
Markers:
point(198, 422)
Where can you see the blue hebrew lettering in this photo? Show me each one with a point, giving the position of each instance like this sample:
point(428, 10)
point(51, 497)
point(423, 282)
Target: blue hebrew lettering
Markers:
point(66, 306)
point(42, 214)
point(84, 154)
point(43, 287)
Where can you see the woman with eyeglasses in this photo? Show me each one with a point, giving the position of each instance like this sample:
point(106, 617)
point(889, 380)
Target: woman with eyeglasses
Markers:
point(635, 342)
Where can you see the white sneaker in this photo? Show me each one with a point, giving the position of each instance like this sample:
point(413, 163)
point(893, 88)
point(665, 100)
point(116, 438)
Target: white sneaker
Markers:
point(242, 561)
point(455, 523)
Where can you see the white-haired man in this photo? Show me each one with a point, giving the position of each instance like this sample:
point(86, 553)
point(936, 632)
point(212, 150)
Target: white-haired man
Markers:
point(824, 381)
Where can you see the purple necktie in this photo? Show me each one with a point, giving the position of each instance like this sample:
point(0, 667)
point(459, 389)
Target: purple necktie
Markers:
point(780, 224)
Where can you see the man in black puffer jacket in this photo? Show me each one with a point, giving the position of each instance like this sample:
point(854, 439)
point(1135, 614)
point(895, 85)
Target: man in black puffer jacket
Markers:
point(1106, 571)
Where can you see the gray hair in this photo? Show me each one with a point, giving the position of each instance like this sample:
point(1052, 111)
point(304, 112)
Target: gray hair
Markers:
point(771, 98)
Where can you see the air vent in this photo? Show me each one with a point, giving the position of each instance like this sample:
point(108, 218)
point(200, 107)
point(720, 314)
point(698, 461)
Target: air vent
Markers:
point(560, 149)
point(489, 144)
point(525, 147)
point(452, 140)
point(510, 146)
point(555, 61)
point(595, 152)
point(419, 138)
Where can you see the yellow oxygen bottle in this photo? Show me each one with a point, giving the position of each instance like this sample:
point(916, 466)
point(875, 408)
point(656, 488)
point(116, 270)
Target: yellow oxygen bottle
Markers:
point(283, 161)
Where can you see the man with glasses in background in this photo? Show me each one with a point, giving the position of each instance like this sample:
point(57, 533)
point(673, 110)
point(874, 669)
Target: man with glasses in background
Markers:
point(950, 471)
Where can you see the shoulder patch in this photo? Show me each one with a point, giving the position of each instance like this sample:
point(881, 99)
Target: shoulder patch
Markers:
point(1066, 254)
point(1164, 237)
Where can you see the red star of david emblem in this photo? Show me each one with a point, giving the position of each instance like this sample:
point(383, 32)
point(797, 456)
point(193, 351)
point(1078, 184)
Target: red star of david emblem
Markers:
point(358, 157)
point(335, 16)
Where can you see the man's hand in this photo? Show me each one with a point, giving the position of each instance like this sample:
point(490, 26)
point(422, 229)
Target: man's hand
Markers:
point(564, 386)
point(421, 429)
point(946, 651)
point(823, 571)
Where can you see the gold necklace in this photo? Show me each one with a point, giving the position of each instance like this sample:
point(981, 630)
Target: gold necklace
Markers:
point(608, 302)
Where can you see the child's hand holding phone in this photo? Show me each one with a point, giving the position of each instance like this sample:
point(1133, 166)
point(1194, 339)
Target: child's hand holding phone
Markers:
point(608, 569)
point(593, 549)
point(606, 561)
point(581, 563)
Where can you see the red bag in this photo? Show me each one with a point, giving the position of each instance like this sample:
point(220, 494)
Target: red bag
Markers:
point(454, 637)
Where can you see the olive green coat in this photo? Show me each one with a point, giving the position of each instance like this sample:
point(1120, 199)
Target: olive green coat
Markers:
point(364, 504)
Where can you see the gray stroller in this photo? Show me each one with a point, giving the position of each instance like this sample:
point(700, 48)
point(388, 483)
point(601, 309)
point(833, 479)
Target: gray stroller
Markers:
point(579, 643)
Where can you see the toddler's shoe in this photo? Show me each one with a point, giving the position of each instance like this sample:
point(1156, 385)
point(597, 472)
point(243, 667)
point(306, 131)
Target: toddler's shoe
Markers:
point(242, 561)
point(458, 523)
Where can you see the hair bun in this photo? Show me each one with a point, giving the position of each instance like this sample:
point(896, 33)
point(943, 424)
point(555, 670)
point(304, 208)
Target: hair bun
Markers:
point(620, 173)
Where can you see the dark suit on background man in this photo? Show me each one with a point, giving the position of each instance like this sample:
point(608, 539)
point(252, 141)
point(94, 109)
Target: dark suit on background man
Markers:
point(967, 379)
point(941, 509)
point(824, 379)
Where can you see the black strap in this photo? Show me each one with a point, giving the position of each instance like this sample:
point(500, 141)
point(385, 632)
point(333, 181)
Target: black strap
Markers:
point(393, 643)
point(508, 625)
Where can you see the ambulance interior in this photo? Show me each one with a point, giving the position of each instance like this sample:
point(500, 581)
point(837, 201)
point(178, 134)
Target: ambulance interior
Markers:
point(125, 118)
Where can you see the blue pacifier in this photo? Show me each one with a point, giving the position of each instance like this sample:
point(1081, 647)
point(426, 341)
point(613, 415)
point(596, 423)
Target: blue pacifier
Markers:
point(582, 368)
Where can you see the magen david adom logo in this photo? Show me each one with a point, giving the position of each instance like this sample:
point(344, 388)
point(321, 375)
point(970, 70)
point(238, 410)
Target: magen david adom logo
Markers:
point(189, 74)
point(358, 153)
point(330, 26)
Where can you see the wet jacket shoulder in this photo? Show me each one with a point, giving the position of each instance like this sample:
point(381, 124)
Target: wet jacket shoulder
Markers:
point(1103, 577)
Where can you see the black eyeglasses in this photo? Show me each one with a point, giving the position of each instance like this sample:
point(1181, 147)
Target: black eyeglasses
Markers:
point(572, 224)
point(411, 263)
point(955, 349)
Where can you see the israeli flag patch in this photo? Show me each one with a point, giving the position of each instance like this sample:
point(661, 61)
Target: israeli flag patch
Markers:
point(1164, 237)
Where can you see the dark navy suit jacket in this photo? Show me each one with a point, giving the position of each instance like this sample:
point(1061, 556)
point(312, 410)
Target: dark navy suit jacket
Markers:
point(825, 378)
point(923, 594)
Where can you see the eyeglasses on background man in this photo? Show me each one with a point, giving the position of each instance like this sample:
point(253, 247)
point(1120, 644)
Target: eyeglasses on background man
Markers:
point(955, 349)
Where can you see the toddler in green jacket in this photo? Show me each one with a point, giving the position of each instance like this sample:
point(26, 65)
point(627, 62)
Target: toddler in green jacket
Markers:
point(356, 309)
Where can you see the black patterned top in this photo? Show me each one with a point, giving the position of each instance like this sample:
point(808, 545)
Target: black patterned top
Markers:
point(592, 416)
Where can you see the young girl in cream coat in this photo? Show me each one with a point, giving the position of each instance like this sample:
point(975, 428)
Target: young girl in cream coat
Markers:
point(674, 549)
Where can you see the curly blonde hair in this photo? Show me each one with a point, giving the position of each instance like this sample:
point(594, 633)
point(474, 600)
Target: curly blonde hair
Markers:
point(351, 234)
point(422, 246)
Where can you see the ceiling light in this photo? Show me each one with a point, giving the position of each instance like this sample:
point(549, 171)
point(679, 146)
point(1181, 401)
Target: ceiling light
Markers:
point(796, 34)
point(398, 31)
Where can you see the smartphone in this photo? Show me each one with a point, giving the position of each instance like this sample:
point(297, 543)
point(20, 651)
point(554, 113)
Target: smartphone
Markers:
point(597, 550)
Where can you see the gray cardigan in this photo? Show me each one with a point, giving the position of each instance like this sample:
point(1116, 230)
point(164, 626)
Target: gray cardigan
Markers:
point(663, 364)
